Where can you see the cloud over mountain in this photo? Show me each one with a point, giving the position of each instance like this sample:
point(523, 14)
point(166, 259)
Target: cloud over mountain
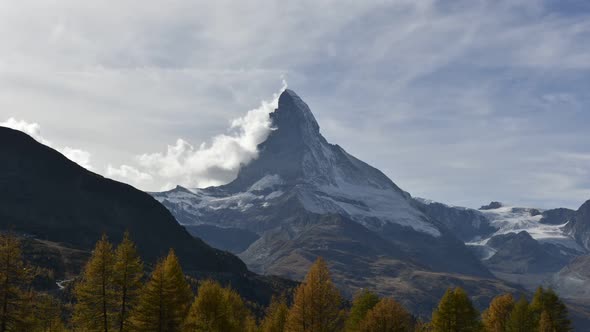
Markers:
point(211, 163)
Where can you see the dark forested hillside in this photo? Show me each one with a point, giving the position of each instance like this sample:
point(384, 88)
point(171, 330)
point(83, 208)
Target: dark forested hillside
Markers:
point(47, 196)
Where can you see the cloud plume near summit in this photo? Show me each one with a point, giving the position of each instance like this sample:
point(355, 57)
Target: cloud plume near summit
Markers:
point(210, 164)
point(182, 163)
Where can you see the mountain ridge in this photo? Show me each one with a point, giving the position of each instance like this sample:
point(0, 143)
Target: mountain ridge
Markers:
point(32, 171)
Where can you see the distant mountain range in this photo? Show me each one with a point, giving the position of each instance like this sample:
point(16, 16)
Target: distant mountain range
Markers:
point(527, 246)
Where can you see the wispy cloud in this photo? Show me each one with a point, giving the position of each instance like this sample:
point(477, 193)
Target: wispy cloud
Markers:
point(128, 174)
point(32, 129)
point(212, 163)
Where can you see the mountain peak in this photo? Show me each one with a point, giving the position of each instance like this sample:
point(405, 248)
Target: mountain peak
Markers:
point(288, 93)
point(288, 96)
point(297, 153)
point(293, 113)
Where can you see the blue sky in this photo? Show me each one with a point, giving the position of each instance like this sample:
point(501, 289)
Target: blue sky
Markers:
point(457, 101)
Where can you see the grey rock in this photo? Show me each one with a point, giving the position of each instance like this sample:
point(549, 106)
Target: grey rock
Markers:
point(579, 226)
point(492, 206)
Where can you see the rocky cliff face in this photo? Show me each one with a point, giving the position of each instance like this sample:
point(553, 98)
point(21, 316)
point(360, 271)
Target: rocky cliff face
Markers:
point(466, 224)
point(579, 226)
point(573, 281)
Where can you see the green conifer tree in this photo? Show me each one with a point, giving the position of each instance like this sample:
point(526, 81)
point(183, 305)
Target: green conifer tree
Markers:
point(218, 309)
point(455, 313)
point(47, 314)
point(96, 307)
point(180, 293)
point(521, 318)
point(361, 304)
point(548, 301)
point(387, 316)
point(28, 319)
point(164, 301)
point(276, 315)
point(545, 322)
point(128, 273)
point(495, 318)
point(15, 277)
point(316, 306)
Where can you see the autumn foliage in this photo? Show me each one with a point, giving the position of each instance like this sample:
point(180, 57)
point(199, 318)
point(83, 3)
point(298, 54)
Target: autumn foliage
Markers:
point(114, 293)
point(317, 304)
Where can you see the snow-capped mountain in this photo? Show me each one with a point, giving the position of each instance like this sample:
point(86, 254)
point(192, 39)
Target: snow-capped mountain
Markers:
point(524, 245)
point(545, 226)
point(296, 159)
point(304, 197)
point(509, 219)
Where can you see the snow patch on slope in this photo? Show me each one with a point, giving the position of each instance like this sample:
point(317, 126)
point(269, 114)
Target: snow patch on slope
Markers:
point(194, 201)
point(514, 220)
point(510, 219)
point(268, 181)
point(427, 201)
point(370, 206)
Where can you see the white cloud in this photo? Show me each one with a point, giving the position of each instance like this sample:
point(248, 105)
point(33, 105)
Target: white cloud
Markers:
point(78, 156)
point(33, 129)
point(129, 174)
point(209, 164)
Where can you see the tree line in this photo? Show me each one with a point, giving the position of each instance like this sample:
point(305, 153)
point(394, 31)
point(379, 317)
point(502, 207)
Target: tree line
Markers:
point(114, 293)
